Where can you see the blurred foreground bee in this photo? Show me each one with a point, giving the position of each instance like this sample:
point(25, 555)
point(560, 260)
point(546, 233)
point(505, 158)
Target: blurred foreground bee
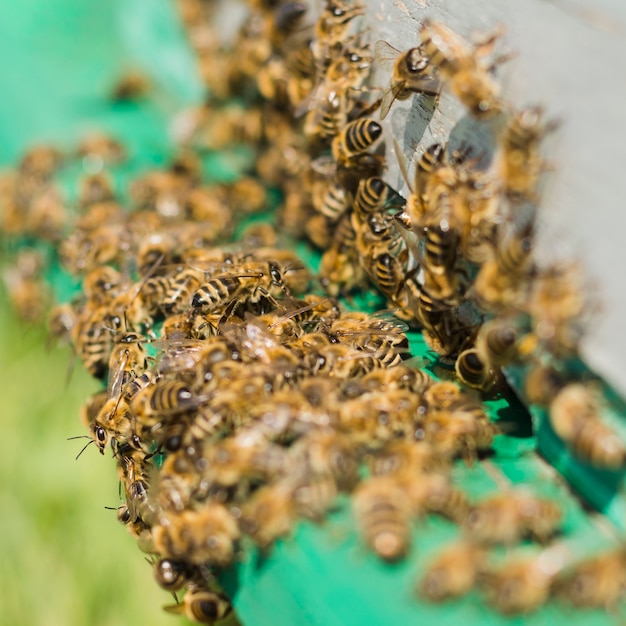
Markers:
point(382, 515)
point(453, 571)
point(575, 417)
point(520, 585)
point(462, 68)
point(507, 517)
point(202, 606)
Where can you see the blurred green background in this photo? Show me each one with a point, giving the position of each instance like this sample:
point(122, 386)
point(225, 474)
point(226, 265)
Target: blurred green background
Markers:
point(64, 558)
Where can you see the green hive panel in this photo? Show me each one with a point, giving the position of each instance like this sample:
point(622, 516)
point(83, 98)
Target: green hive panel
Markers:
point(63, 56)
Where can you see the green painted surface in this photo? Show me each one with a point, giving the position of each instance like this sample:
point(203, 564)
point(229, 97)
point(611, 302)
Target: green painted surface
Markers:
point(58, 61)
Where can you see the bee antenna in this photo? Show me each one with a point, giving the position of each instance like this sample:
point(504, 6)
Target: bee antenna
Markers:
point(84, 447)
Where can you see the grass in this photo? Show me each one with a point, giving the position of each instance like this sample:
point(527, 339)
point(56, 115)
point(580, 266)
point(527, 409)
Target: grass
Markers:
point(66, 560)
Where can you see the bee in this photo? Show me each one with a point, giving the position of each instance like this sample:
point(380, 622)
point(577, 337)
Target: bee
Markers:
point(205, 535)
point(327, 452)
point(130, 87)
point(398, 377)
point(558, 306)
point(177, 481)
point(406, 457)
point(433, 492)
point(507, 517)
point(269, 514)
point(113, 423)
point(179, 290)
point(520, 586)
point(40, 161)
point(521, 163)
point(596, 582)
point(452, 572)
point(575, 417)
point(382, 515)
point(441, 395)
point(457, 432)
point(93, 340)
point(247, 455)
point(500, 342)
point(462, 68)
point(99, 149)
point(330, 199)
point(128, 360)
point(26, 290)
point(340, 270)
point(94, 189)
point(472, 370)
point(332, 26)
point(172, 575)
point(354, 140)
point(202, 606)
point(92, 407)
point(133, 472)
point(340, 361)
point(542, 384)
point(411, 73)
point(162, 400)
point(254, 282)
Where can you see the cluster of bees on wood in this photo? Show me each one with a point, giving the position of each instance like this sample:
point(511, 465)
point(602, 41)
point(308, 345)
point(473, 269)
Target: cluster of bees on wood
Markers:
point(238, 398)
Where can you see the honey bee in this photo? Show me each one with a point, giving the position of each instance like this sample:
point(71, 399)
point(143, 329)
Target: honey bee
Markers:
point(340, 361)
point(203, 535)
point(462, 69)
point(354, 140)
point(433, 492)
point(457, 432)
point(162, 400)
point(452, 572)
point(441, 395)
point(541, 385)
point(500, 341)
point(202, 606)
point(26, 290)
point(330, 200)
point(112, 424)
point(179, 291)
point(382, 515)
point(332, 26)
point(177, 481)
point(172, 575)
point(98, 149)
point(411, 74)
point(507, 517)
point(93, 340)
point(130, 87)
point(251, 284)
point(558, 306)
point(398, 377)
point(269, 513)
point(521, 161)
point(406, 457)
point(327, 452)
point(40, 161)
point(472, 370)
point(575, 417)
point(597, 582)
point(340, 271)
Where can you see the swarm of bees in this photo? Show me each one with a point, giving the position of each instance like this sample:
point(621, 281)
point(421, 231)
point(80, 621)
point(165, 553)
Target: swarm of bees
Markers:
point(239, 399)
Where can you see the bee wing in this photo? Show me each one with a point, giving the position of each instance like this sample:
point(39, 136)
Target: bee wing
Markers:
point(389, 97)
point(403, 165)
point(324, 165)
point(385, 53)
point(116, 376)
